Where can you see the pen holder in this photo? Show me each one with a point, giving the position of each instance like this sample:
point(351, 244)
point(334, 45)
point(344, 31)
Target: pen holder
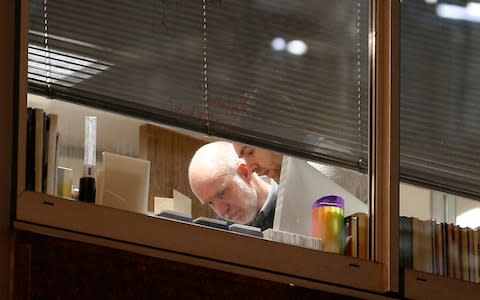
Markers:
point(327, 223)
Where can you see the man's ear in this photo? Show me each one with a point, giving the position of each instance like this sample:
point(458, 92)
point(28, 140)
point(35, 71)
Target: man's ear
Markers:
point(244, 171)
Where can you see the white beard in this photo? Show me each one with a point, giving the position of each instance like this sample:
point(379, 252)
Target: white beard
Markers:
point(249, 206)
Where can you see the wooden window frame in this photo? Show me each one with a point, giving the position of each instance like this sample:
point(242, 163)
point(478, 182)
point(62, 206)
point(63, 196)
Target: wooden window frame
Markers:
point(74, 220)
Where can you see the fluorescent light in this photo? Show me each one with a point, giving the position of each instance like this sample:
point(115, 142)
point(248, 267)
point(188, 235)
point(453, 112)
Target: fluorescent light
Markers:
point(278, 44)
point(431, 1)
point(470, 13)
point(297, 47)
point(473, 9)
point(61, 67)
point(450, 11)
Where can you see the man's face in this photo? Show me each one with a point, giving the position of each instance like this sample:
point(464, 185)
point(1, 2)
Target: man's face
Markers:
point(261, 161)
point(231, 197)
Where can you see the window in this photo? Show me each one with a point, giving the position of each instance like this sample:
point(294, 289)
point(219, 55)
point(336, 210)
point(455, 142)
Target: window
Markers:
point(208, 68)
point(439, 120)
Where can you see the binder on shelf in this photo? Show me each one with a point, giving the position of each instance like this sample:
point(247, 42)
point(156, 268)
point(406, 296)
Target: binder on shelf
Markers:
point(30, 163)
point(51, 148)
point(38, 167)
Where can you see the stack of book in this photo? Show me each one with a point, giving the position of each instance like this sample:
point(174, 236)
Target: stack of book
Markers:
point(293, 239)
point(357, 235)
point(442, 249)
point(42, 151)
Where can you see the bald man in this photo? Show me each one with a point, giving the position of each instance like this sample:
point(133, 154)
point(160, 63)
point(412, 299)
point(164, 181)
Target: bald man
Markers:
point(219, 178)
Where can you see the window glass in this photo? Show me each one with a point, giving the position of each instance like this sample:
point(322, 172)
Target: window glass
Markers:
point(150, 83)
point(439, 116)
point(143, 167)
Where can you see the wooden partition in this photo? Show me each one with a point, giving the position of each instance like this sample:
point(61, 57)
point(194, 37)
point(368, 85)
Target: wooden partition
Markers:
point(53, 268)
point(169, 153)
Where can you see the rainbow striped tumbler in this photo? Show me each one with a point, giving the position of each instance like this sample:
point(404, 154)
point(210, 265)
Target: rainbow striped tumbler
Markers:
point(327, 223)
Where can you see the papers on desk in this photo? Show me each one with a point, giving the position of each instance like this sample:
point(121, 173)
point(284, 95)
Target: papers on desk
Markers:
point(179, 203)
point(293, 239)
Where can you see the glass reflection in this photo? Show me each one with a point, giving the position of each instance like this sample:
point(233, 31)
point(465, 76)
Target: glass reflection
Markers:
point(236, 187)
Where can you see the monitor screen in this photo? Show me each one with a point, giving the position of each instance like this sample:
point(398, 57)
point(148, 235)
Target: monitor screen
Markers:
point(301, 184)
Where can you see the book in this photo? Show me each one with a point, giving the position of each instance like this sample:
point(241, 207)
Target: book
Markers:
point(457, 252)
point(39, 160)
point(363, 240)
point(51, 147)
point(476, 258)
point(245, 229)
point(418, 244)
point(470, 265)
point(293, 239)
point(406, 252)
point(351, 236)
point(428, 245)
point(445, 232)
point(214, 223)
point(439, 250)
point(450, 247)
point(464, 273)
point(30, 163)
point(174, 215)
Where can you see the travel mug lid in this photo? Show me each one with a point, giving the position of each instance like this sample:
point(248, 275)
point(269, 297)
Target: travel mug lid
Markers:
point(330, 200)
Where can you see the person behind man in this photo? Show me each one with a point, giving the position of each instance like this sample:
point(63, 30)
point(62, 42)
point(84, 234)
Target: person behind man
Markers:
point(219, 178)
point(261, 161)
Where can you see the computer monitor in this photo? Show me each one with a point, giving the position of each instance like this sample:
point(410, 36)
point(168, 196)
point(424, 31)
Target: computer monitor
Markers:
point(301, 183)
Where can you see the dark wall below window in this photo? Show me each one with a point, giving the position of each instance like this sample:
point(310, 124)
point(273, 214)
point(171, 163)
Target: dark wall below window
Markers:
point(54, 268)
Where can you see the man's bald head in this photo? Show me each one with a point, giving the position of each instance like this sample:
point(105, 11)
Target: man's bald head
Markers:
point(219, 178)
point(213, 160)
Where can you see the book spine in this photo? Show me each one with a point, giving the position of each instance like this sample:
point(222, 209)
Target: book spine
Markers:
point(51, 149)
point(476, 254)
point(30, 164)
point(39, 126)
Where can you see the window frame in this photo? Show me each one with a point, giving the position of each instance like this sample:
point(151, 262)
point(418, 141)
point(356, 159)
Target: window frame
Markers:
point(79, 221)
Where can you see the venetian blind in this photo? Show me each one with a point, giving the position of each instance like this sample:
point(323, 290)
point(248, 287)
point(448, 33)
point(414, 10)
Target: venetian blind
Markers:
point(287, 75)
point(440, 95)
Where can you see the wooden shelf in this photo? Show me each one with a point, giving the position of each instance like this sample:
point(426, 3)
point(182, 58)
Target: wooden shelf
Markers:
point(299, 264)
point(421, 285)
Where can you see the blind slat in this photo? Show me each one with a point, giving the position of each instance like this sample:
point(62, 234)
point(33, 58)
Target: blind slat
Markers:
point(158, 60)
point(439, 107)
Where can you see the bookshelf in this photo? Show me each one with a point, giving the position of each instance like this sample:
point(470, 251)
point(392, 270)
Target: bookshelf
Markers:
point(438, 258)
point(421, 285)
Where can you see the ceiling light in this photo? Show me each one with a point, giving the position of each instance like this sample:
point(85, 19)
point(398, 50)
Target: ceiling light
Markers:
point(278, 44)
point(470, 13)
point(297, 47)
